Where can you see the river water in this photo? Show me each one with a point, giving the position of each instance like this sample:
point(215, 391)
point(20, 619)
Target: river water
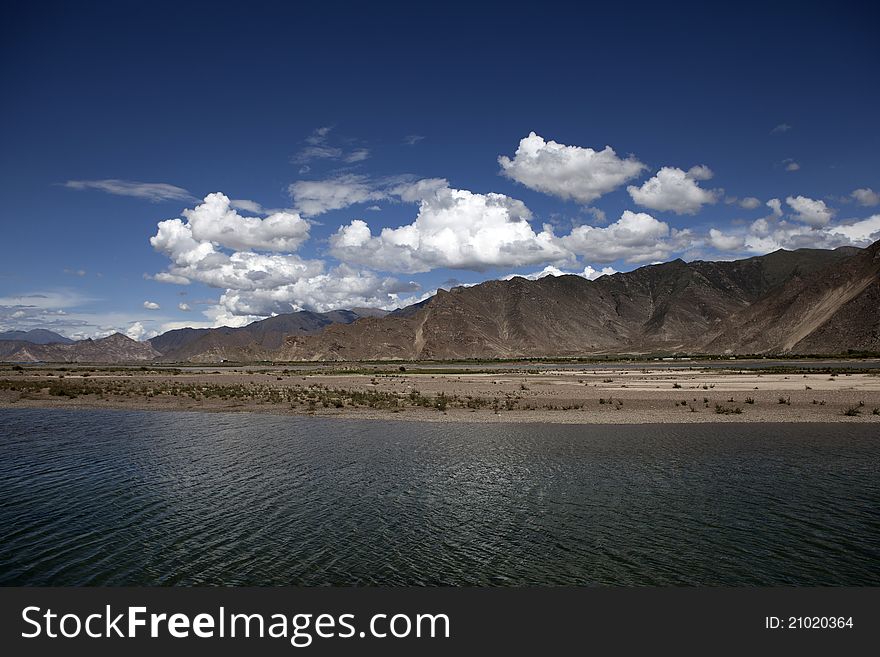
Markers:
point(167, 498)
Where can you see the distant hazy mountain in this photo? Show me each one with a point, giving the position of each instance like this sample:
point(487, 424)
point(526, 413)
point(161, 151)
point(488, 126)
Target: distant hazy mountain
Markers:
point(116, 348)
point(256, 341)
point(35, 336)
point(804, 301)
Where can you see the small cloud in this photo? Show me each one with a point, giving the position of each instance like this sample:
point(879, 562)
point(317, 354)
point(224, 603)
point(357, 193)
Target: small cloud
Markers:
point(151, 305)
point(782, 127)
point(750, 203)
point(319, 135)
point(723, 242)
point(314, 197)
point(791, 165)
point(358, 155)
point(184, 307)
point(310, 153)
point(568, 172)
point(154, 192)
point(412, 140)
point(319, 147)
point(598, 214)
point(866, 196)
point(700, 172)
point(810, 211)
point(166, 277)
point(672, 189)
point(247, 206)
point(75, 272)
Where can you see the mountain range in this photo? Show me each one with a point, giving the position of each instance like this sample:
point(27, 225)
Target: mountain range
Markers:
point(35, 336)
point(794, 302)
point(256, 341)
point(808, 301)
point(116, 348)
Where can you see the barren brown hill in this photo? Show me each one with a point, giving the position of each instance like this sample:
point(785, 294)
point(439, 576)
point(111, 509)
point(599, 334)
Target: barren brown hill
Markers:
point(786, 302)
point(675, 306)
point(828, 311)
point(256, 341)
point(116, 348)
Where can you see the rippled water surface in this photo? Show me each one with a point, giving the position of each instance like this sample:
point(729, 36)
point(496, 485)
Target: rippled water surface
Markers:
point(132, 498)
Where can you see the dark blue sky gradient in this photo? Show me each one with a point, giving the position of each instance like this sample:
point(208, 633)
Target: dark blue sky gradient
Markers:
point(219, 97)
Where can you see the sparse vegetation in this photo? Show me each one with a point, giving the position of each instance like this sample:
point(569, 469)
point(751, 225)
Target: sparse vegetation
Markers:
point(328, 389)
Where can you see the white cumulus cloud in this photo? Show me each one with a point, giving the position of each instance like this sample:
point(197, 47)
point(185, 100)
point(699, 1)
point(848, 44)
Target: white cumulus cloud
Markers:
point(809, 211)
point(865, 231)
point(568, 172)
point(214, 220)
point(202, 248)
point(866, 196)
point(636, 237)
point(675, 190)
point(151, 305)
point(135, 330)
point(724, 242)
point(770, 233)
point(454, 228)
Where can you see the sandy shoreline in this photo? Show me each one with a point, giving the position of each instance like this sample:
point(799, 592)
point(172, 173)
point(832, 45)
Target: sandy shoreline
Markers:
point(588, 396)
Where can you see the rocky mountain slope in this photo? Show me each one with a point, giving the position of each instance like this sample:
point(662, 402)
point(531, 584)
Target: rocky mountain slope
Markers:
point(808, 301)
point(828, 311)
point(116, 348)
point(673, 307)
point(256, 341)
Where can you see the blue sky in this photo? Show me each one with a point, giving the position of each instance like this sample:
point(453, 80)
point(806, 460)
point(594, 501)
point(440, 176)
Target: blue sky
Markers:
point(632, 134)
